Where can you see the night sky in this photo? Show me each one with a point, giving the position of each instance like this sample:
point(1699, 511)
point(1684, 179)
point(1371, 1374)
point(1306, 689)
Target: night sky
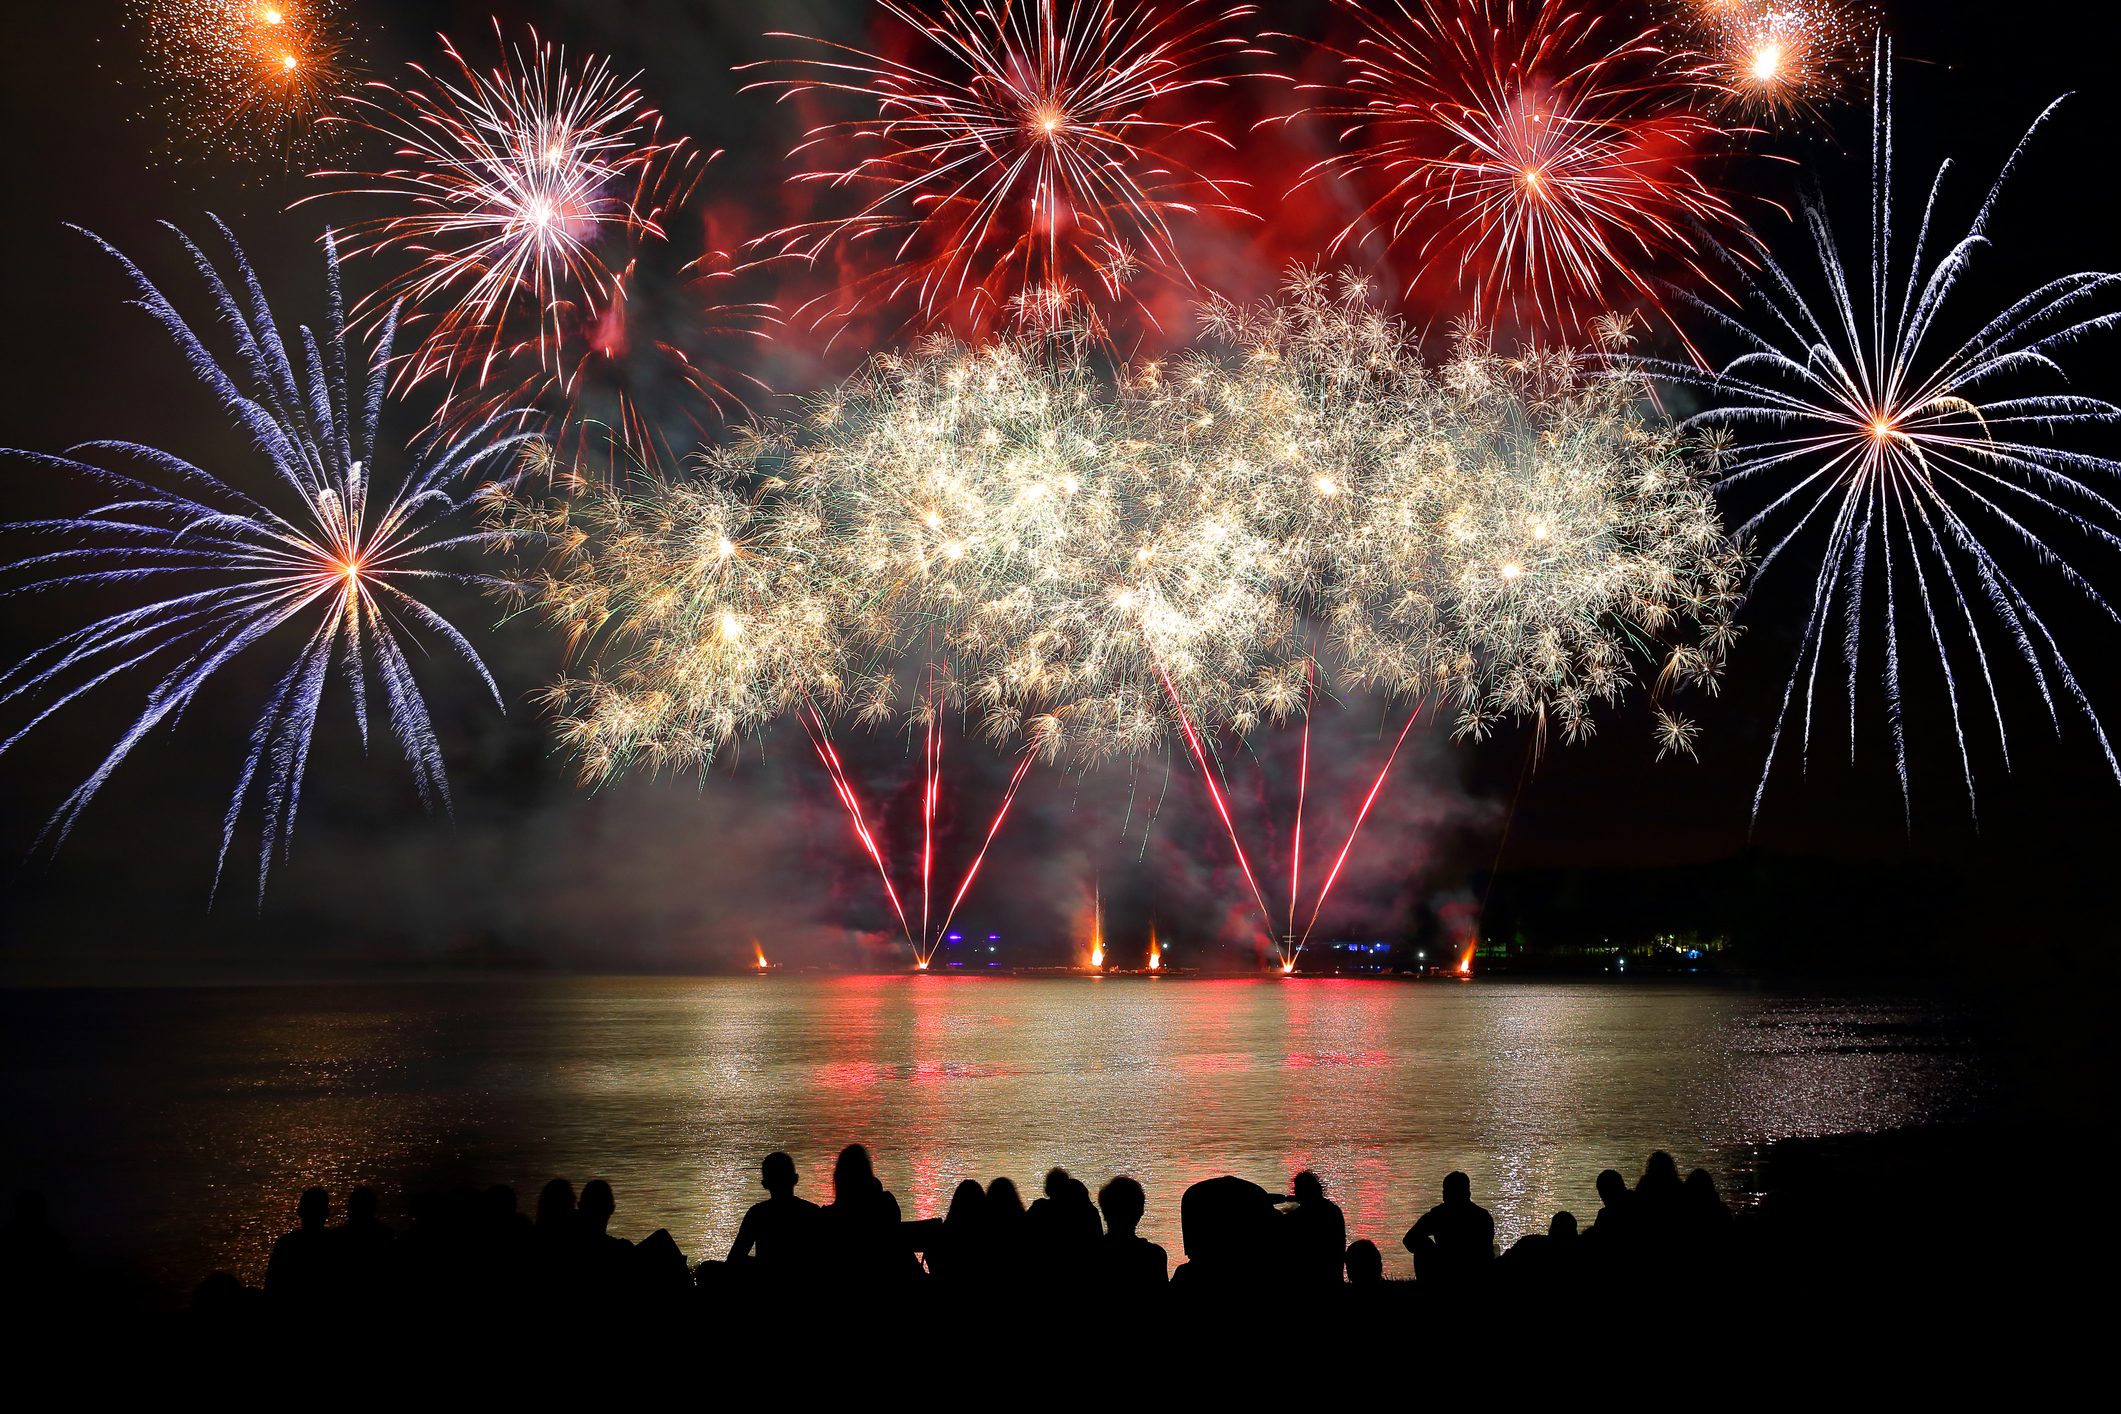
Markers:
point(669, 874)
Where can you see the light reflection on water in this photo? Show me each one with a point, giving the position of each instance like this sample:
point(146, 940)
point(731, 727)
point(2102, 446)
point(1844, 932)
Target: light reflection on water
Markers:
point(181, 1123)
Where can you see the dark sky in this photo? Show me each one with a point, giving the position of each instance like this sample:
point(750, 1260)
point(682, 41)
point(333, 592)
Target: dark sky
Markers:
point(672, 874)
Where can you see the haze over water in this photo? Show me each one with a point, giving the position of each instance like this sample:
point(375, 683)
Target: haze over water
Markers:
point(178, 1125)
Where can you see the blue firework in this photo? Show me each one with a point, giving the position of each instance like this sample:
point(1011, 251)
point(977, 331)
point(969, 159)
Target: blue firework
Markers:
point(315, 547)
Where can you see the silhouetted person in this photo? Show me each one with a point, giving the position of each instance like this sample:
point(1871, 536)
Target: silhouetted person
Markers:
point(1317, 1232)
point(1061, 1231)
point(1703, 1213)
point(1231, 1233)
point(1003, 1214)
point(603, 1260)
point(556, 1211)
point(778, 1238)
point(300, 1271)
point(1455, 1240)
point(1127, 1263)
point(958, 1253)
point(862, 1222)
point(1659, 1209)
point(364, 1247)
point(1365, 1264)
point(1616, 1208)
point(1541, 1258)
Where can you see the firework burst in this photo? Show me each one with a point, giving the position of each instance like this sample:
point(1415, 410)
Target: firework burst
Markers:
point(1086, 566)
point(257, 81)
point(1853, 424)
point(519, 196)
point(1776, 60)
point(1031, 154)
point(322, 551)
point(1547, 153)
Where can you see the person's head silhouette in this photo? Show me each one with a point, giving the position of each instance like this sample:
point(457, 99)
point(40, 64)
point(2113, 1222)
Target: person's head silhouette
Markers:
point(314, 1208)
point(1457, 1188)
point(1307, 1187)
point(598, 1205)
point(1612, 1188)
point(1661, 1174)
point(556, 1205)
point(966, 1202)
point(1123, 1203)
point(853, 1174)
point(1563, 1226)
point(777, 1174)
point(1365, 1263)
point(1003, 1201)
point(1056, 1184)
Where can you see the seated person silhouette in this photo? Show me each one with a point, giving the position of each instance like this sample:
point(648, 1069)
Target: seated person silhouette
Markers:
point(300, 1271)
point(1061, 1230)
point(603, 1257)
point(1455, 1240)
point(1233, 1238)
point(1317, 1231)
point(776, 1237)
point(1366, 1265)
point(1616, 1210)
point(364, 1245)
point(1127, 1262)
point(957, 1248)
point(862, 1223)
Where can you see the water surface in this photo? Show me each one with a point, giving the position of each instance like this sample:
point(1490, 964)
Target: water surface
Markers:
point(176, 1126)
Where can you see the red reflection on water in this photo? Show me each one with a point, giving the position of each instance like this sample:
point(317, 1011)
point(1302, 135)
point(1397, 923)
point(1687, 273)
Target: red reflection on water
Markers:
point(1334, 1024)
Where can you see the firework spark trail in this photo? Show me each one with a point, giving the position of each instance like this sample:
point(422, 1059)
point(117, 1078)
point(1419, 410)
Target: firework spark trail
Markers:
point(1027, 160)
point(1550, 154)
point(1222, 809)
point(1303, 781)
point(821, 739)
point(931, 791)
point(338, 548)
point(1368, 800)
point(513, 187)
point(1844, 412)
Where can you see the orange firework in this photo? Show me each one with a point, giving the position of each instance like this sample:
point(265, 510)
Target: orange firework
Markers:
point(1778, 59)
point(256, 81)
point(1027, 161)
point(1548, 155)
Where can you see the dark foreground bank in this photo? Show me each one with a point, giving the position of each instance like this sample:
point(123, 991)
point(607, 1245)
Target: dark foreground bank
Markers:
point(1876, 1221)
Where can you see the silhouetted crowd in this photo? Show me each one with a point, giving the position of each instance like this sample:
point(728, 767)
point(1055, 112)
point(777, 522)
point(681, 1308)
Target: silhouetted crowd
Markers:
point(475, 1251)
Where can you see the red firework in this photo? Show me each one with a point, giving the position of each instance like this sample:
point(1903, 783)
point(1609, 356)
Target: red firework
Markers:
point(1548, 156)
point(1024, 159)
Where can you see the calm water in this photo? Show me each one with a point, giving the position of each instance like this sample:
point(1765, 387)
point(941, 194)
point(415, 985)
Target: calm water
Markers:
point(177, 1125)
